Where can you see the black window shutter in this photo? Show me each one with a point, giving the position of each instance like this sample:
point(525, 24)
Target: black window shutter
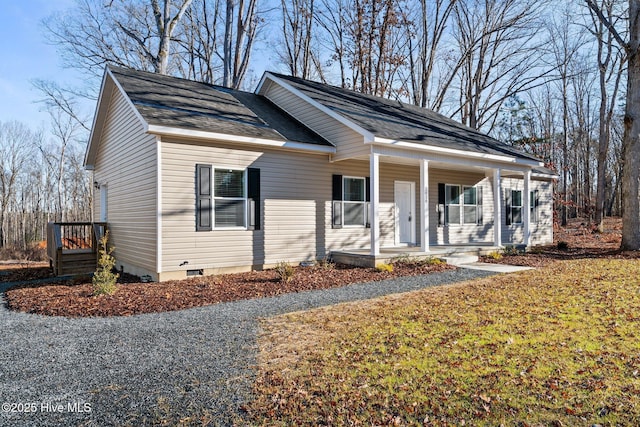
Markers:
point(253, 194)
point(441, 203)
point(336, 204)
point(367, 185)
point(479, 205)
point(507, 210)
point(536, 202)
point(203, 197)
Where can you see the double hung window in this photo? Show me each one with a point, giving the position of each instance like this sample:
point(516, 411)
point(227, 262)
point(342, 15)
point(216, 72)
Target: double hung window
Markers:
point(460, 204)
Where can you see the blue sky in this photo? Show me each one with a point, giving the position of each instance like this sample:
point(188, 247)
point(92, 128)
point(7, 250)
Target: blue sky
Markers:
point(26, 56)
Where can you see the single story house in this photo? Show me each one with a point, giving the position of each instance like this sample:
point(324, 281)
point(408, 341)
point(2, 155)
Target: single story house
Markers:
point(199, 179)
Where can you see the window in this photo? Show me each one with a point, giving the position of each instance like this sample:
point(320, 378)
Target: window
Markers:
point(354, 201)
point(230, 200)
point(516, 207)
point(227, 198)
point(459, 204)
point(533, 205)
point(350, 201)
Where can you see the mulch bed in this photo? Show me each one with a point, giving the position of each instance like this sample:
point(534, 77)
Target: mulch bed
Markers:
point(75, 298)
point(578, 240)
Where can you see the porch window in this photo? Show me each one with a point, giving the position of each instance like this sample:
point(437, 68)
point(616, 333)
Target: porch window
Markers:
point(533, 205)
point(462, 204)
point(354, 201)
point(514, 207)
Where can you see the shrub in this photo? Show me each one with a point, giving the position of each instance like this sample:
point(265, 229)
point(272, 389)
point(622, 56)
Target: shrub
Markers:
point(401, 259)
point(104, 279)
point(433, 261)
point(384, 267)
point(285, 271)
point(326, 263)
point(496, 255)
point(509, 250)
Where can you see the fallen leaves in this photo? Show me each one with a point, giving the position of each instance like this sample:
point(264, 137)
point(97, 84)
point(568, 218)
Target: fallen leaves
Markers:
point(552, 346)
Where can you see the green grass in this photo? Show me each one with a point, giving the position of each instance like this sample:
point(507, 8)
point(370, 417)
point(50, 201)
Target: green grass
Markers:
point(559, 344)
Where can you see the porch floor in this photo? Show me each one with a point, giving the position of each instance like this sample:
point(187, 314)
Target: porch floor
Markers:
point(363, 257)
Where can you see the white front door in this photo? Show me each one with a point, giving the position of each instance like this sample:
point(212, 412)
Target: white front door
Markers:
point(405, 202)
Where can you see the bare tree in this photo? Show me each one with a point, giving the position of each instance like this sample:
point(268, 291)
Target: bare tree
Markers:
point(564, 46)
point(611, 61)
point(631, 140)
point(499, 56)
point(241, 27)
point(126, 33)
point(297, 32)
point(200, 41)
point(16, 143)
point(426, 29)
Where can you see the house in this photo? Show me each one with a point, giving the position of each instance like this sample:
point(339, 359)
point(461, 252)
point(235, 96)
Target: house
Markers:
point(198, 179)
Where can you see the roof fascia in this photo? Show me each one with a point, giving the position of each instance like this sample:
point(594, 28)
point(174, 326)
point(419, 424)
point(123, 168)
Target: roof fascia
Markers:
point(459, 153)
point(368, 136)
point(196, 134)
point(88, 154)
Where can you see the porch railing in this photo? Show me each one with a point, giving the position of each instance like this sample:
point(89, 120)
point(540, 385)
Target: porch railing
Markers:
point(66, 238)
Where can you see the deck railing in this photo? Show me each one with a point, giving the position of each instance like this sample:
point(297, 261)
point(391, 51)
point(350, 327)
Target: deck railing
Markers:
point(72, 237)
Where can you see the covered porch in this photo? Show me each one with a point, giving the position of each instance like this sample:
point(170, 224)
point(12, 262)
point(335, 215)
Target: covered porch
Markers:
point(439, 221)
point(451, 253)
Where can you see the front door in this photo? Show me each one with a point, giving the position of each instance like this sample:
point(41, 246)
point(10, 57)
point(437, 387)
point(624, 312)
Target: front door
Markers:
point(405, 212)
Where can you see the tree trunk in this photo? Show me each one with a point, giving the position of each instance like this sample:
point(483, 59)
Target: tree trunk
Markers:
point(631, 149)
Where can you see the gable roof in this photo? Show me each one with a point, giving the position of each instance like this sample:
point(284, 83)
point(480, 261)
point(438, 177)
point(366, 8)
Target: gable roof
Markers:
point(174, 102)
point(397, 121)
point(169, 103)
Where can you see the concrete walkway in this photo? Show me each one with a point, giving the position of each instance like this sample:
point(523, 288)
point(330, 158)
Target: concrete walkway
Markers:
point(494, 268)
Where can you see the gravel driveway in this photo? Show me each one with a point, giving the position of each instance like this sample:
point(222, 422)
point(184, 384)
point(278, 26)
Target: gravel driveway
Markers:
point(144, 369)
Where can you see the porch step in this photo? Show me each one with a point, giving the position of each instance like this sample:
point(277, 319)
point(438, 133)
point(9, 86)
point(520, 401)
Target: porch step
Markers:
point(460, 259)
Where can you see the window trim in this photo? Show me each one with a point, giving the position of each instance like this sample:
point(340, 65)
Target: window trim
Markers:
point(534, 204)
point(363, 202)
point(245, 198)
point(461, 204)
point(520, 206)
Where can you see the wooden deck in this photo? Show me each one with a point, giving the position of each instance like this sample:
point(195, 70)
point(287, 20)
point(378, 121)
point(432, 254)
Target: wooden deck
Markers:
point(72, 247)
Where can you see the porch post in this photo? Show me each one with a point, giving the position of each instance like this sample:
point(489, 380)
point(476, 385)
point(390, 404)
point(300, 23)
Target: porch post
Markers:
point(526, 206)
point(424, 205)
point(497, 209)
point(374, 171)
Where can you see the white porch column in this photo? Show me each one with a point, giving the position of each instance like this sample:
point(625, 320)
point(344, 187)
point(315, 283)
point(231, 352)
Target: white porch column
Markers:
point(526, 206)
point(497, 209)
point(424, 205)
point(374, 178)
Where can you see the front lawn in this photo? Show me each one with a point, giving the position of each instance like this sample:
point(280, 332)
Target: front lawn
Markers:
point(554, 346)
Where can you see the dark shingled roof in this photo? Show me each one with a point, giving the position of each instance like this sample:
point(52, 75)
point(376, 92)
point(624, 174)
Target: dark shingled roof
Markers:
point(399, 121)
point(179, 103)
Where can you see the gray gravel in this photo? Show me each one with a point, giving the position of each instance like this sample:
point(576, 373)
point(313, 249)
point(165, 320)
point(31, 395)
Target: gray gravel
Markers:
point(141, 370)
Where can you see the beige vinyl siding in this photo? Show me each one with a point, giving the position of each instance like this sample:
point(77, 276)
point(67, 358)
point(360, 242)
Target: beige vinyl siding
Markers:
point(126, 165)
point(457, 234)
point(542, 231)
point(348, 143)
point(296, 208)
